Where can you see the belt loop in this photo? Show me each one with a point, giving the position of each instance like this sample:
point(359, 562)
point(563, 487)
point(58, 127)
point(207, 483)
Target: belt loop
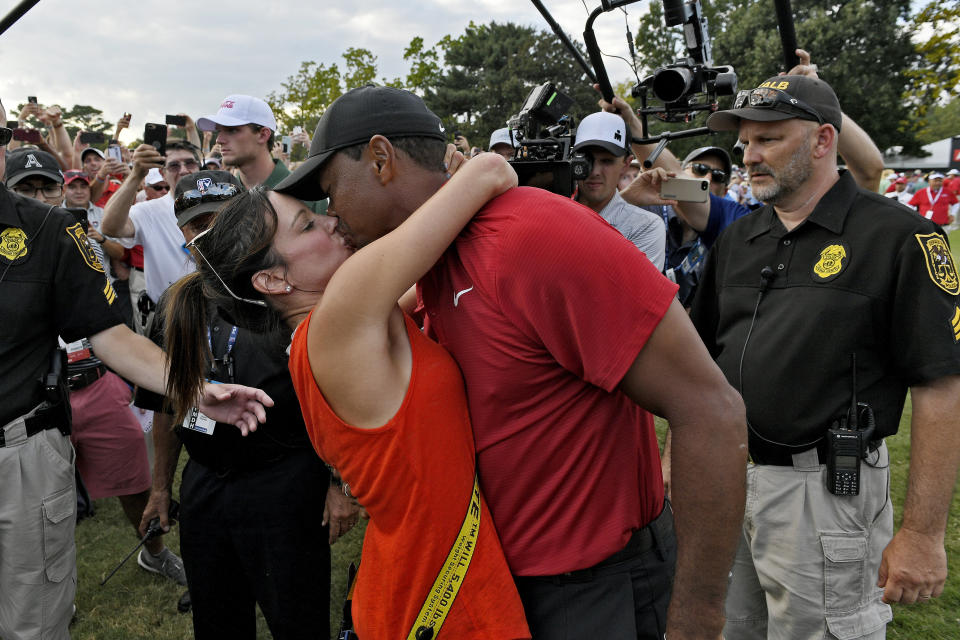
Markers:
point(807, 460)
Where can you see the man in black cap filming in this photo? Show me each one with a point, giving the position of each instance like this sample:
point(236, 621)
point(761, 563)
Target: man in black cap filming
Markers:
point(822, 308)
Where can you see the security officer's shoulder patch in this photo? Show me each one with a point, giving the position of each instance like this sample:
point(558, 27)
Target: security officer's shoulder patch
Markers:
point(939, 260)
point(13, 244)
point(83, 245)
point(955, 323)
point(833, 259)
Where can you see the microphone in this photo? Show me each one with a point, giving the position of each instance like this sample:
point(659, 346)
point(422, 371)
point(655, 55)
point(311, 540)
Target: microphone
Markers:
point(766, 277)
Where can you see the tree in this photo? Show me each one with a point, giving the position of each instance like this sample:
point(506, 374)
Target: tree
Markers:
point(305, 95)
point(489, 70)
point(361, 67)
point(424, 67)
point(862, 48)
point(942, 121)
point(937, 73)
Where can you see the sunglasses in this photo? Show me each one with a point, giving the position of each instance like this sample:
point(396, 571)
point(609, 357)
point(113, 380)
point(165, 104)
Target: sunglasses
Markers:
point(164, 187)
point(48, 190)
point(216, 192)
point(701, 170)
point(193, 245)
point(5, 136)
point(769, 98)
point(189, 165)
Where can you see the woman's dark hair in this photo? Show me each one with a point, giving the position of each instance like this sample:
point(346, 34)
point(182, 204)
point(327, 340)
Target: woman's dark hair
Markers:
point(237, 245)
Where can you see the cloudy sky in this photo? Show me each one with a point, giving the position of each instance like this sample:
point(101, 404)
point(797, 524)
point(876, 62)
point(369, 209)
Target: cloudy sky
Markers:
point(153, 58)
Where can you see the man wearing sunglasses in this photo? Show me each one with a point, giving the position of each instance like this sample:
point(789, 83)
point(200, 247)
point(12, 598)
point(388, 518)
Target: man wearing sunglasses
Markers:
point(827, 291)
point(153, 223)
point(52, 284)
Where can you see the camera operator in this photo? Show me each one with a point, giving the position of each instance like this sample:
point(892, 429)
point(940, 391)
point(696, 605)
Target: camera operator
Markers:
point(603, 137)
point(827, 287)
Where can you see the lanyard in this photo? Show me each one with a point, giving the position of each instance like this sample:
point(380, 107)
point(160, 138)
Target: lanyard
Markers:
point(226, 360)
point(930, 197)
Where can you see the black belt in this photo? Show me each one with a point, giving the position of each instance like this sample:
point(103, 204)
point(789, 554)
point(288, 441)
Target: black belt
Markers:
point(643, 540)
point(85, 378)
point(783, 456)
point(41, 422)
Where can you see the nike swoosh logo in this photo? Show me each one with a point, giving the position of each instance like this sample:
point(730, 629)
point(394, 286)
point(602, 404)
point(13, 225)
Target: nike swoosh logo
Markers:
point(456, 296)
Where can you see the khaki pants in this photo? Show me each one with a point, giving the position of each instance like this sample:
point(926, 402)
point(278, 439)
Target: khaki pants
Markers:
point(808, 560)
point(38, 569)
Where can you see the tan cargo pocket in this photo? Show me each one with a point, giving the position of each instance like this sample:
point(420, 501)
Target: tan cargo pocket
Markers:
point(850, 612)
point(59, 522)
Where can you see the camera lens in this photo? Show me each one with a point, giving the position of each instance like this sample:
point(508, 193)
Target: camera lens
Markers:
point(703, 186)
point(672, 83)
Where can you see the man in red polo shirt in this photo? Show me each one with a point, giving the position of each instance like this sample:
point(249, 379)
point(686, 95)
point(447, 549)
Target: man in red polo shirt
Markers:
point(934, 202)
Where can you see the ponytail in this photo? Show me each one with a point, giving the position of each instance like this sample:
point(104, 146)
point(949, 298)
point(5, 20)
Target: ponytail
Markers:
point(187, 347)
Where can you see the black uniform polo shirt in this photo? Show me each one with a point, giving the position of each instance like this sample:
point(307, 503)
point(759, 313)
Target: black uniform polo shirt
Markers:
point(861, 274)
point(260, 360)
point(50, 283)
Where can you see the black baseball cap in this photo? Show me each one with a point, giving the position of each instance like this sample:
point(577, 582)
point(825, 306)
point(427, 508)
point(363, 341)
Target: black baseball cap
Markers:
point(26, 163)
point(789, 97)
point(203, 192)
point(354, 118)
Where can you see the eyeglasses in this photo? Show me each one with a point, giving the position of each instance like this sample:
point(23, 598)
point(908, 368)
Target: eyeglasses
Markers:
point(48, 190)
point(161, 187)
point(701, 170)
point(189, 165)
point(216, 192)
point(193, 245)
point(769, 98)
point(5, 136)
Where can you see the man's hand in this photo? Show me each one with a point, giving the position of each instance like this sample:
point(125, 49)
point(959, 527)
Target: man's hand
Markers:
point(301, 138)
point(645, 189)
point(146, 157)
point(913, 567)
point(95, 235)
point(112, 168)
point(235, 404)
point(123, 122)
point(29, 109)
point(51, 116)
point(158, 506)
point(340, 512)
point(804, 67)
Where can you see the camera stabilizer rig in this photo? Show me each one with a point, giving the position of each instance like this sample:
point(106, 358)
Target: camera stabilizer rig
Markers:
point(689, 85)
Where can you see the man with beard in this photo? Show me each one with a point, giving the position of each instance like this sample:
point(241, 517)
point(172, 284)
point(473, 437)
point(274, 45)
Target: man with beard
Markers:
point(827, 292)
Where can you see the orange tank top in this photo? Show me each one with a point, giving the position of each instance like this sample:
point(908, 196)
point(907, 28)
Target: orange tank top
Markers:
point(414, 475)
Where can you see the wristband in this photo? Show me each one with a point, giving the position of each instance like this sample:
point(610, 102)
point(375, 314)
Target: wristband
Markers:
point(99, 179)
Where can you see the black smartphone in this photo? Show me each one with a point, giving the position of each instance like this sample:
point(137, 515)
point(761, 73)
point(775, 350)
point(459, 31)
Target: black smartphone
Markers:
point(92, 137)
point(81, 216)
point(177, 121)
point(27, 135)
point(13, 124)
point(32, 99)
point(156, 134)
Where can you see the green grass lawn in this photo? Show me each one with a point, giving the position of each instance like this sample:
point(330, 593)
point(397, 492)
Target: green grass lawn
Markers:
point(136, 605)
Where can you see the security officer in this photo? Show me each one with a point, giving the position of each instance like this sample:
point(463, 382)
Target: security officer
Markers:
point(51, 283)
point(253, 510)
point(790, 294)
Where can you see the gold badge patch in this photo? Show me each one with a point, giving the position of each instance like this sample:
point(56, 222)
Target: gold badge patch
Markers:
point(83, 245)
point(833, 260)
point(939, 262)
point(13, 243)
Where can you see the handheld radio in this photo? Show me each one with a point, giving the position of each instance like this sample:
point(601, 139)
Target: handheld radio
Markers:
point(847, 442)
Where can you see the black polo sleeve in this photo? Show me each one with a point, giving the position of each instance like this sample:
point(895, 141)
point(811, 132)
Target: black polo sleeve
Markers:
point(925, 322)
point(84, 299)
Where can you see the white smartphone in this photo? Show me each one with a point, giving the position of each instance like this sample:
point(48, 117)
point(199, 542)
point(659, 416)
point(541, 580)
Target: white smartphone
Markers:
point(113, 151)
point(685, 189)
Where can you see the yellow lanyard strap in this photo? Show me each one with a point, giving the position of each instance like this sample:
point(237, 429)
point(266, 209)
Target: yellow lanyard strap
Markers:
point(448, 582)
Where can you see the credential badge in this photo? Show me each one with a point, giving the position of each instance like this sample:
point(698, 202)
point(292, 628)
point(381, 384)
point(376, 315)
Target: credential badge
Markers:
point(13, 243)
point(833, 260)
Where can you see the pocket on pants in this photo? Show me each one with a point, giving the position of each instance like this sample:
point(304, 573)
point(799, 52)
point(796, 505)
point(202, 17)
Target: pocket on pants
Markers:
point(59, 521)
point(852, 611)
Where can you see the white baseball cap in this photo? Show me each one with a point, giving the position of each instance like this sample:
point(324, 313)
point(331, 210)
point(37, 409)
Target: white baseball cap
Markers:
point(153, 176)
point(501, 136)
point(935, 175)
point(605, 130)
point(237, 110)
point(953, 172)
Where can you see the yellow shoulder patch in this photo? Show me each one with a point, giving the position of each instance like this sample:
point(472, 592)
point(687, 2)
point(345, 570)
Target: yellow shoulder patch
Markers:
point(13, 243)
point(939, 261)
point(955, 323)
point(83, 246)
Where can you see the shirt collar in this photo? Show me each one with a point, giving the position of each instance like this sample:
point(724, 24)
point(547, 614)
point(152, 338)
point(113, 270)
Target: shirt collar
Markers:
point(830, 212)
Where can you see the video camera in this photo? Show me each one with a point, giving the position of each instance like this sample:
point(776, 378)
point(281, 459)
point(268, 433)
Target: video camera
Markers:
point(543, 138)
point(690, 84)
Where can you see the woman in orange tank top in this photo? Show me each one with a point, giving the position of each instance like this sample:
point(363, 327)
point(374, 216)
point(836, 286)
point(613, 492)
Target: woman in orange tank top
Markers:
point(382, 403)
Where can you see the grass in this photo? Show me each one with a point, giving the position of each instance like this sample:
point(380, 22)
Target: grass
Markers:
point(135, 605)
